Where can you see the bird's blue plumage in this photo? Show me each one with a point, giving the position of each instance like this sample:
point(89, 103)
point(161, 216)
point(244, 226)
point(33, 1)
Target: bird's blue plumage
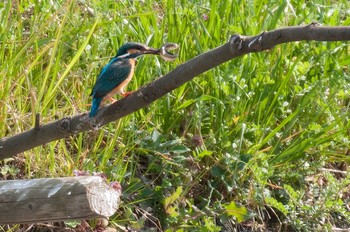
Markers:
point(94, 108)
point(117, 73)
point(112, 75)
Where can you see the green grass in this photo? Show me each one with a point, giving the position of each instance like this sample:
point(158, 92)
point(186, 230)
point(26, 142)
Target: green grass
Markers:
point(256, 143)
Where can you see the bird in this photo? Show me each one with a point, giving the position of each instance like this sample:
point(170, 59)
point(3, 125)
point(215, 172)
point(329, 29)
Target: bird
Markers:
point(115, 76)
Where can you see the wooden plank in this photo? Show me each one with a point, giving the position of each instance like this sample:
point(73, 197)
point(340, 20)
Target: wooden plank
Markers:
point(58, 199)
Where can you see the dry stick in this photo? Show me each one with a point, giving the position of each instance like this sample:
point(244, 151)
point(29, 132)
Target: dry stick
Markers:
point(236, 46)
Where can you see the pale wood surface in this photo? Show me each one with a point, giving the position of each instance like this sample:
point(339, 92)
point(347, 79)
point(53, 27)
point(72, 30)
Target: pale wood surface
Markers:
point(59, 199)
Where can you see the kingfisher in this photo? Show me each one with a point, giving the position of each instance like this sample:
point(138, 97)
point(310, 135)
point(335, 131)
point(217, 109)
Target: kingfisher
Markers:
point(115, 76)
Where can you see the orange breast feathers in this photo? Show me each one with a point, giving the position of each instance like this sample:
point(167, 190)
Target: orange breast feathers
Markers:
point(120, 88)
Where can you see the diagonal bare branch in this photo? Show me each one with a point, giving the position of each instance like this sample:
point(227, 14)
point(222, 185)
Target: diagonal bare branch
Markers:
point(236, 46)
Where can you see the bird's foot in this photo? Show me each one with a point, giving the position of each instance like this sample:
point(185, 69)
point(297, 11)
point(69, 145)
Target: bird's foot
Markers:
point(112, 100)
point(126, 94)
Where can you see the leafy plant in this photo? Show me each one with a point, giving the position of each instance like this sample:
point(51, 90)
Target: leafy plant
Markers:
point(259, 143)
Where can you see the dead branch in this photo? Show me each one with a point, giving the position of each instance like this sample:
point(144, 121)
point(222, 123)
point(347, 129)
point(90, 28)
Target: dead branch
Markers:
point(236, 46)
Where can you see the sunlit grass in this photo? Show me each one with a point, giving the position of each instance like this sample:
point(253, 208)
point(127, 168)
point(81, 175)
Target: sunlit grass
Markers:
point(251, 131)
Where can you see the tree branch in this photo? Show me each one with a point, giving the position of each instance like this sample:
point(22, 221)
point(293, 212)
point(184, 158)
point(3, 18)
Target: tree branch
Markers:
point(236, 46)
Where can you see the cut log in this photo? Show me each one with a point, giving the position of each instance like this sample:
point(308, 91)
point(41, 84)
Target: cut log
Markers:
point(58, 199)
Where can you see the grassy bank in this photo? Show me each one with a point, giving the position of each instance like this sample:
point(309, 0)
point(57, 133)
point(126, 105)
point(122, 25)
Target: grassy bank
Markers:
point(261, 142)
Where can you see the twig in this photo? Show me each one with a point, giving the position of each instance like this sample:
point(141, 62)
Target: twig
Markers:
point(334, 171)
point(37, 122)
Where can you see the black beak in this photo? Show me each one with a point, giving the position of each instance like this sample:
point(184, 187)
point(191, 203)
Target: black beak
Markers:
point(163, 52)
point(151, 51)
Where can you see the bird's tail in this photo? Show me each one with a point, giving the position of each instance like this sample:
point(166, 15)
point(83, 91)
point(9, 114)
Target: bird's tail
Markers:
point(94, 107)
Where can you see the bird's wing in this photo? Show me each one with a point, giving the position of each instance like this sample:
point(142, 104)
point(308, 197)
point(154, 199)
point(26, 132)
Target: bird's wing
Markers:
point(113, 74)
